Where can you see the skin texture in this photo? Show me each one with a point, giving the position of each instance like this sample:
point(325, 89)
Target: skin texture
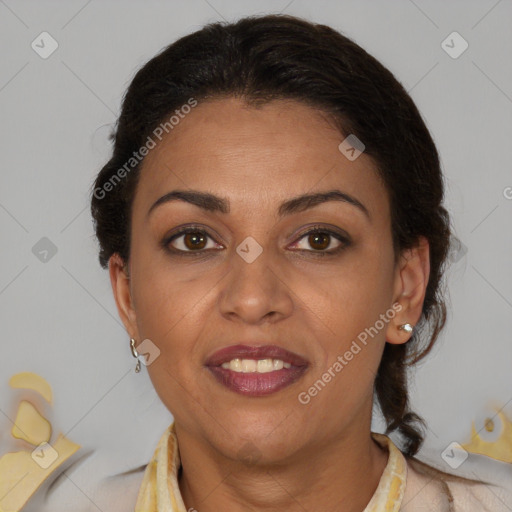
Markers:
point(318, 456)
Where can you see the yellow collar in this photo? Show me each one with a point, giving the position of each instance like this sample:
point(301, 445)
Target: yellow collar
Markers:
point(390, 491)
point(159, 490)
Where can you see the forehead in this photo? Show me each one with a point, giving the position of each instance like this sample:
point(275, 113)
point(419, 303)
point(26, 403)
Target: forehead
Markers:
point(256, 156)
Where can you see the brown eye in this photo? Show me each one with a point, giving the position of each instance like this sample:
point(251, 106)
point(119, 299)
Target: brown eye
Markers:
point(190, 240)
point(194, 240)
point(322, 241)
point(319, 241)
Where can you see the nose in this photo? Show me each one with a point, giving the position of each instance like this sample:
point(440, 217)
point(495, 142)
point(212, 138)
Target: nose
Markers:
point(255, 292)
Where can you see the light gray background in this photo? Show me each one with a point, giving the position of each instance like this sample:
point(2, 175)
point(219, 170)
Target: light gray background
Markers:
point(58, 318)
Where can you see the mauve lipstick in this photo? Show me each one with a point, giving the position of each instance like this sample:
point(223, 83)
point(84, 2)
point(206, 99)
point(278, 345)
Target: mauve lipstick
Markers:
point(254, 383)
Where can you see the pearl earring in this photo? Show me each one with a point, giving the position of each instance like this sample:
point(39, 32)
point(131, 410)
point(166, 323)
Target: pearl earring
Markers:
point(406, 327)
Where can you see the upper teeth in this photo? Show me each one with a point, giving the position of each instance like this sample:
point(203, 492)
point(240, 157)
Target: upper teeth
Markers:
point(252, 365)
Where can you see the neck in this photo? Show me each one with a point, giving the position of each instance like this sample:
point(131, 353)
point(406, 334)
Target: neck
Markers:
point(341, 474)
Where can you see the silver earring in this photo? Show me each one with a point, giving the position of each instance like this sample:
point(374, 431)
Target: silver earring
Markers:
point(135, 354)
point(406, 327)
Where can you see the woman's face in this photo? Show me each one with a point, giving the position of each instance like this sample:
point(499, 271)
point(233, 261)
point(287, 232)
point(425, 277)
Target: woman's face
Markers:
point(253, 276)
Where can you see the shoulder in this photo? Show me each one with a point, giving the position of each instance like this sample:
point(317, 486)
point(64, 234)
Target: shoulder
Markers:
point(430, 489)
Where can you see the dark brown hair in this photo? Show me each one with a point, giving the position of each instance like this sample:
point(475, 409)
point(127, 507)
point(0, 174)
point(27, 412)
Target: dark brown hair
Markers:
point(263, 58)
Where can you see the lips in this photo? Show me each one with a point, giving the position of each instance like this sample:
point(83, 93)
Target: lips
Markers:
point(254, 384)
point(254, 352)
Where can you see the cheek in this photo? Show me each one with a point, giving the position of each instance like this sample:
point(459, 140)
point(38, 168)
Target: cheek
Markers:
point(174, 309)
point(346, 298)
point(169, 313)
point(167, 306)
point(164, 294)
point(346, 309)
point(343, 315)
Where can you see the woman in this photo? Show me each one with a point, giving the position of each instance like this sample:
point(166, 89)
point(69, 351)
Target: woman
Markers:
point(272, 222)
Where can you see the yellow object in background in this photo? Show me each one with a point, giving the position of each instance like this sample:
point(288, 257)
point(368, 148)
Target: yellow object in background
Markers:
point(21, 475)
point(29, 380)
point(23, 472)
point(493, 438)
point(31, 426)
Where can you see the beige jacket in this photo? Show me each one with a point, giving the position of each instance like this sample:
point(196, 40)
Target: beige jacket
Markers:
point(429, 489)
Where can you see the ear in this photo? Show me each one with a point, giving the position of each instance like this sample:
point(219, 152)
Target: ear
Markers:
point(120, 280)
point(411, 280)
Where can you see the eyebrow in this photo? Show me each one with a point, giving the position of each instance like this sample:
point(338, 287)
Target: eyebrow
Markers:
point(212, 203)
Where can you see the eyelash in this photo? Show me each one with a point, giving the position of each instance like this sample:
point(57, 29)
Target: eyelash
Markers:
point(345, 241)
